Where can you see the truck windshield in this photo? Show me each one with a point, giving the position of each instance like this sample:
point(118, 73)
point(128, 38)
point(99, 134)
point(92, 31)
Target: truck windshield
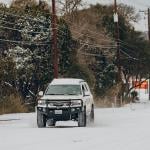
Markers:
point(63, 90)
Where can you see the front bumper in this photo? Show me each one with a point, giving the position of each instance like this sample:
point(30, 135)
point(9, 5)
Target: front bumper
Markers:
point(60, 113)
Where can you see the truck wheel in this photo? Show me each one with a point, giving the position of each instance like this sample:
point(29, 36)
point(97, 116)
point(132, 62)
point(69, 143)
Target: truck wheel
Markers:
point(82, 118)
point(41, 120)
point(92, 114)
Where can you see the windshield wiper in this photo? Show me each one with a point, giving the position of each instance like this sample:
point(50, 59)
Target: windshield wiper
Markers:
point(50, 94)
point(54, 94)
point(70, 94)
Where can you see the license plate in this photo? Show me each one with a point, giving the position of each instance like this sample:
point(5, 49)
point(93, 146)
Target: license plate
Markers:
point(58, 112)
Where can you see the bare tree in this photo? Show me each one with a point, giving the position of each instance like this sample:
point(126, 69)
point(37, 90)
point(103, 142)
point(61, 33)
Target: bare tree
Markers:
point(23, 3)
point(69, 6)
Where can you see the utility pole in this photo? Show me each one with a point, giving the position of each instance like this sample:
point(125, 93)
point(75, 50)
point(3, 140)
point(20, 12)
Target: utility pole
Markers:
point(116, 21)
point(148, 17)
point(149, 24)
point(54, 39)
point(149, 41)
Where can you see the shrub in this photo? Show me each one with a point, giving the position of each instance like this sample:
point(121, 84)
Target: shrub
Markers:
point(12, 104)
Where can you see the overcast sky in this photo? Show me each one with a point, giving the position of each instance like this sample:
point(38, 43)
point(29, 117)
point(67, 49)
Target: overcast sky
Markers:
point(142, 25)
point(138, 4)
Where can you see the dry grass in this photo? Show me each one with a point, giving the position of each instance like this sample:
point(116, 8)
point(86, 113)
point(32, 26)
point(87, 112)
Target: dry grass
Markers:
point(109, 102)
point(12, 104)
point(104, 102)
point(110, 99)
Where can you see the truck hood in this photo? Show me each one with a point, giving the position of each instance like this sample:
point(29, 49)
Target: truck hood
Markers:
point(60, 97)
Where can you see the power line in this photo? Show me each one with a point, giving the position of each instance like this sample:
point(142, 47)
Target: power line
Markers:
point(127, 48)
point(24, 42)
point(77, 27)
point(19, 16)
point(101, 46)
point(129, 45)
point(97, 45)
point(34, 27)
point(88, 35)
point(23, 26)
point(122, 29)
point(90, 54)
point(15, 29)
point(8, 22)
point(37, 32)
point(11, 23)
point(129, 56)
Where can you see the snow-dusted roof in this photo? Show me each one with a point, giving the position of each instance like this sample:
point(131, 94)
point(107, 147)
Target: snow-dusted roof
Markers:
point(65, 81)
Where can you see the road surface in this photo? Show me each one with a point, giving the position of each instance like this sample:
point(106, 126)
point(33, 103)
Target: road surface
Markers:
point(125, 128)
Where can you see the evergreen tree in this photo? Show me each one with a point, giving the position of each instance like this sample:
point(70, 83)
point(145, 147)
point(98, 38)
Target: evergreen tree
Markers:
point(29, 44)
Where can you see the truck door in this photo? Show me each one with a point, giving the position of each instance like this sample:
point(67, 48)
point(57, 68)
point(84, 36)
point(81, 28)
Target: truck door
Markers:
point(86, 97)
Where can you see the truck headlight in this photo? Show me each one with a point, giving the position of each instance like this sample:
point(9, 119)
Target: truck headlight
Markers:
point(41, 102)
point(76, 103)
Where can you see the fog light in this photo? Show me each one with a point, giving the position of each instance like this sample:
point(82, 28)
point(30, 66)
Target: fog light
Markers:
point(72, 109)
point(40, 108)
point(44, 109)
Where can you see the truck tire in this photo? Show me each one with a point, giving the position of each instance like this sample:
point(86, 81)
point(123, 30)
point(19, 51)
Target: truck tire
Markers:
point(41, 120)
point(92, 114)
point(82, 120)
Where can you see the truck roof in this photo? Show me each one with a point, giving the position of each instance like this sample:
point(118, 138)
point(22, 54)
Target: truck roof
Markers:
point(66, 81)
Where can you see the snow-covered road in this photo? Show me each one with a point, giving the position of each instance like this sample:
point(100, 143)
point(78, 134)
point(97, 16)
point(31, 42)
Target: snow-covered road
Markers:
point(114, 129)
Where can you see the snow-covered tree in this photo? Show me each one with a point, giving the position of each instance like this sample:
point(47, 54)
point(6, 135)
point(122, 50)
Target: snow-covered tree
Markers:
point(105, 73)
point(22, 57)
point(32, 50)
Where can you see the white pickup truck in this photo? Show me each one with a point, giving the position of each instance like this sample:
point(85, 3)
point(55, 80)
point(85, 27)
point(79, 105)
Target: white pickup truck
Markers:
point(65, 99)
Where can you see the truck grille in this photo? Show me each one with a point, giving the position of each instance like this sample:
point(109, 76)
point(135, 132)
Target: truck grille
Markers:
point(59, 103)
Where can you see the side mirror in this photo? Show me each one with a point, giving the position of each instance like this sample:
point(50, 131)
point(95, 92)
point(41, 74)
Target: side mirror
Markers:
point(41, 93)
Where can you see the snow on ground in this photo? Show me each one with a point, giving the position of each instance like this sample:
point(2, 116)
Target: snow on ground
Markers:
point(125, 128)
